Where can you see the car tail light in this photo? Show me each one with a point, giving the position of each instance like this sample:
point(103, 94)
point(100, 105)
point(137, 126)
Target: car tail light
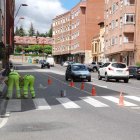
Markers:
point(136, 72)
point(110, 69)
point(127, 70)
point(89, 65)
point(48, 64)
point(43, 64)
point(119, 62)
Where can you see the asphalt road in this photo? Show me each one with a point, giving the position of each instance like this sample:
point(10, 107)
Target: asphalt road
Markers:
point(78, 116)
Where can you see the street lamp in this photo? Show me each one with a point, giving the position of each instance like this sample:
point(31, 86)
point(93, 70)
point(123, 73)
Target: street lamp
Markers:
point(18, 21)
point(19, 8)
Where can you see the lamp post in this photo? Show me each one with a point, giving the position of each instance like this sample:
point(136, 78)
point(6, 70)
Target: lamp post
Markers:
point(18, 21)
point(19, 8)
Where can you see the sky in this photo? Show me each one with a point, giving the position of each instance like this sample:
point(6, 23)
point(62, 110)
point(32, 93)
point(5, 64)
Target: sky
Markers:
point(41, 12)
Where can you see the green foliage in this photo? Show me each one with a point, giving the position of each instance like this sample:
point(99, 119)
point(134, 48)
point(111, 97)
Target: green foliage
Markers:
point(27, 50)
point(18, 49)
point(17, 31)
point(31, 31)
point(50, 32)
point(138, 63)
point(22, 32)
point(17, 54)
point(25, 46)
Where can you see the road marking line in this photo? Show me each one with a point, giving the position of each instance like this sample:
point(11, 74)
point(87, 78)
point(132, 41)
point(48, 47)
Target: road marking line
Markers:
point(41, 104)
point(116, 100)
point(67, 103)
point(133, 97)
point(4, 121)
point(100, 85)
point(14, 105)
point(93, 102)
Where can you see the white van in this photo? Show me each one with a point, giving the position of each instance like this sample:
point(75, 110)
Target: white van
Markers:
point(50, 59)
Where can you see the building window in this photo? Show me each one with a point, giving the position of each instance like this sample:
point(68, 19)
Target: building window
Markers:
point(106, 44)
point(117, 23)
point(129, 2)
point(28, 40)
point(107, 30)
point(116, 40)
point(120, 40)
point(72, 16)
point(63, 29)
point(116, 6)
point(72, 47)
point(63, 20)
point(56, 22)
point(53, 32)
point(109, 42)
point(95, 47)
point(121, 4)
point(78, 33)
point(72, 36)
point(75, 24)
point(21, 40)
point(72, 26)
point(107, 14)
point(53, 23)
point(113, 8)
point(126, 39)
point(53, 41)
point(113, 24)
point(129, 18)
point(110, 11)
point(121, 22)
point(107, 1)
point(112, 41)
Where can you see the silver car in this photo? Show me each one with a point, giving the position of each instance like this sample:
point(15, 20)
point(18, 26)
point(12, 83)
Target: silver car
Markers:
point(77, 71)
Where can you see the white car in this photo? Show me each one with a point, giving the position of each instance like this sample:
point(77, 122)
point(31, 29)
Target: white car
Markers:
point(65, 64)
point(114, 70)
point(50, 60)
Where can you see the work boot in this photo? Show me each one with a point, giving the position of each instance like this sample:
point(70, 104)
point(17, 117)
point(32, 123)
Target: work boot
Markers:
point(8, 96)
point(18, 96)
point(25, 96)
point(33, 95)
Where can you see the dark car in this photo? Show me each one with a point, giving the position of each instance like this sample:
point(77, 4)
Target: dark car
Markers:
point(10, 64)
point(133, 71)
point(42, 61)
point(138, 74)
point(77, 71)
point(45, 64)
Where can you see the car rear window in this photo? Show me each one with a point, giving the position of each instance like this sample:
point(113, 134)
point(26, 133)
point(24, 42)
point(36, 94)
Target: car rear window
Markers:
point(79, 68)
point(117, 65)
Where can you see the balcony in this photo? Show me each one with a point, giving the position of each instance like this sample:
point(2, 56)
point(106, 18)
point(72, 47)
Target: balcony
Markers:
point(128, 46)
point(128, 28)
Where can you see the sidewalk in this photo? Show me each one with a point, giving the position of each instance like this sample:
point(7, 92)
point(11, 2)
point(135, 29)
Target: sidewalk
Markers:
point(2, 84)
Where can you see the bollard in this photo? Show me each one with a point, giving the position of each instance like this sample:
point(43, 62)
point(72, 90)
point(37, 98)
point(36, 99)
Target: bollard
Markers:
point(63, 93)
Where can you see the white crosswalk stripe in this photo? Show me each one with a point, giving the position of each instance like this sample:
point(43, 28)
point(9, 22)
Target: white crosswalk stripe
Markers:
point(93, 102)
point(133, 98)
point(116, 100)
point(14, 105)
point(67, 103)
point(41, 104)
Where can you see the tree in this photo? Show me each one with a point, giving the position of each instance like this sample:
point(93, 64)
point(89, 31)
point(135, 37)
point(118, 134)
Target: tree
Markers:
point(18, 49)
point(22, 31)
point(50, 32)
point(17, 31)
point(31, 30)
point(46, 34)
point(37, 33)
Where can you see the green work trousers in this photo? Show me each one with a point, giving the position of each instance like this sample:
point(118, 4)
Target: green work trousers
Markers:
point(13, 79)
point(28, 81)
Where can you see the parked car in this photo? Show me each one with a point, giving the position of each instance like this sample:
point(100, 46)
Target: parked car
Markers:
point(94, 66)
point(45, 64)
point(77, 71)
point(70, 63)
point(50, 60)
point(138, 74)
point(66, 63)
point(114, 70)
point(42, 61)
point(133, 71)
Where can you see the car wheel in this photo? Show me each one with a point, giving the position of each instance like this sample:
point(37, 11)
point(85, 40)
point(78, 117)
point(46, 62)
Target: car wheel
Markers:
point(89, 80)
point(126, 80)
point(41, 67)
point(106, 77)
point(117, 80)
point(138, 78)
point(94, 69)
point(66, 78)
point(99, 77)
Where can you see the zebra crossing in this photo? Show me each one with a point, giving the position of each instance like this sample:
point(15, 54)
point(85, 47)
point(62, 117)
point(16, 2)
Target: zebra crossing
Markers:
point(14, 105)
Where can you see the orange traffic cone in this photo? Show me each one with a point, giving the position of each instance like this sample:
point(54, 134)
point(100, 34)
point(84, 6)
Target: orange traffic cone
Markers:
point(72, 85)
point(49, 81)
point(82, 86)
point(121, 100)
point(93, 91)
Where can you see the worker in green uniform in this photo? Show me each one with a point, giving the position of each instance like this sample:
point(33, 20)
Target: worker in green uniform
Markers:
point(13, 78)
point(28, 80)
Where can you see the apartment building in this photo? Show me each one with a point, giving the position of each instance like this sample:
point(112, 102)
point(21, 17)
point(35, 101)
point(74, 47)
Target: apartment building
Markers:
point(73, 31)
point(137, 33)
point(98, 45)
point(119, 20)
